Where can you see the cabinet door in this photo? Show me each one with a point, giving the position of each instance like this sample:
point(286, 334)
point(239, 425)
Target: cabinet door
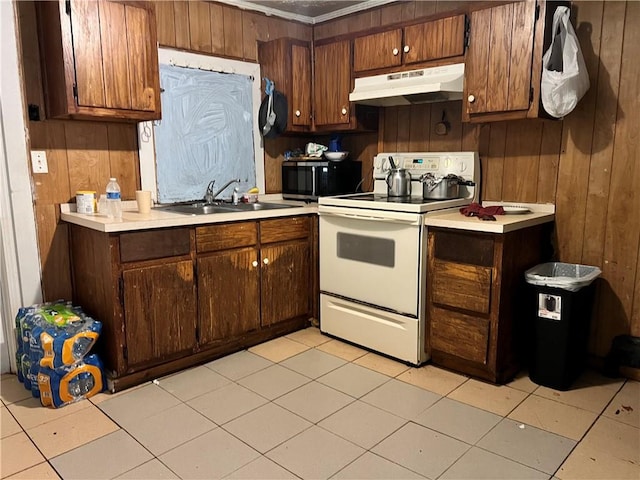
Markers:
point(499, 58)
point(228, 294)
point(160, 311)
point(286, 281)
point(115, 56)
point(332, 83)
point(379, 50)
point(433, 40)
point(301, 85)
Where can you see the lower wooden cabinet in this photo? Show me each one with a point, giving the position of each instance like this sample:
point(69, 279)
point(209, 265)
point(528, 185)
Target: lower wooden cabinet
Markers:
point(475, 297)
point(163, 297)
point(175, 297)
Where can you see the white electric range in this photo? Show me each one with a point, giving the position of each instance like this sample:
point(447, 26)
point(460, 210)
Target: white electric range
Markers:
point(373, 255)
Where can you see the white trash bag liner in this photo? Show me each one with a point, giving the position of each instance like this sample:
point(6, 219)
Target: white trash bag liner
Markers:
point(564, 74)
point(568, 276)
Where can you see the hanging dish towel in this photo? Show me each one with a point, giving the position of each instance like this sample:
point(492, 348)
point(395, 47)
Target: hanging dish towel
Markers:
point(565, 79)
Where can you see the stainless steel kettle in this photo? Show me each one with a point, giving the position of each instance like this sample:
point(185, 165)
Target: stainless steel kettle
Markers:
point(399, 182)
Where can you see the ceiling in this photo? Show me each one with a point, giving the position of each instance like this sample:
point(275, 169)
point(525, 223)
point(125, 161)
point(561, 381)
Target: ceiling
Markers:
point(308, 11)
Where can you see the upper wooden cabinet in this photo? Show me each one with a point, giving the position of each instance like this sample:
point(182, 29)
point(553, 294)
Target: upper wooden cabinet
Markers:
point(413, 44)
point(332, 72)
point(99, 59)
point(503, 64)
point(287, 62)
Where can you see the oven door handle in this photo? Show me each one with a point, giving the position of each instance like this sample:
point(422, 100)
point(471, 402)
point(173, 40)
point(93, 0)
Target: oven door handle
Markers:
point(370, 218)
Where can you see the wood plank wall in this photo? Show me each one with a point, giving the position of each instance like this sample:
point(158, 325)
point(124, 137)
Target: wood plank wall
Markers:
point(587, 164)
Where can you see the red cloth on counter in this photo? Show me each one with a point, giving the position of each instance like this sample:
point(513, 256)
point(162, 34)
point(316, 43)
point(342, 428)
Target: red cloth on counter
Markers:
point(483, 213)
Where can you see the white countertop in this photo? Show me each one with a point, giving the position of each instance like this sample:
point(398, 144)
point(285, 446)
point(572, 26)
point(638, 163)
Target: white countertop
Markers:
point(452, 218)
point(157, 218)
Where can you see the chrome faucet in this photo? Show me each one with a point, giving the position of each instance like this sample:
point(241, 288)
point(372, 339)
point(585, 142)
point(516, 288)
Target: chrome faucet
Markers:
point(210, 196)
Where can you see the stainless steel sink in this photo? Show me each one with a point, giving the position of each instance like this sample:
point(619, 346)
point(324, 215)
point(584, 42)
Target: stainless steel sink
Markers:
point(252, 207)
point(200, 208)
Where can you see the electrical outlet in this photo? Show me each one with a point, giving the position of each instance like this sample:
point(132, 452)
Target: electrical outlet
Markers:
point(39, 161)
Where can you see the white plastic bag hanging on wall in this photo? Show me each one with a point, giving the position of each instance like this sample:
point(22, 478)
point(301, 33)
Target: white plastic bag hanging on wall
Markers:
point(564, 74)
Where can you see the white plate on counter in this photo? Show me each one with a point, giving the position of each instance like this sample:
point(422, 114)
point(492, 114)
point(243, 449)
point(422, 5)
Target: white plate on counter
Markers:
point(516, 210)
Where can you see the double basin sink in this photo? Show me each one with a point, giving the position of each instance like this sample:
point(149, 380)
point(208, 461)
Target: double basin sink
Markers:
point(201, 208)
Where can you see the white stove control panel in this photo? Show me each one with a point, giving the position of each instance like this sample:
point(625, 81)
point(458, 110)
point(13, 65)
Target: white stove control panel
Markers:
point(463, 164)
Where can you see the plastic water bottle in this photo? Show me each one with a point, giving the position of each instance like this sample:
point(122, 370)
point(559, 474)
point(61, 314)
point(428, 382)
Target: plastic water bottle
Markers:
point(114, 203)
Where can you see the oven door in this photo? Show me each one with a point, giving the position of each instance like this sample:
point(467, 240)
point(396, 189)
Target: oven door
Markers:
point(372, 257)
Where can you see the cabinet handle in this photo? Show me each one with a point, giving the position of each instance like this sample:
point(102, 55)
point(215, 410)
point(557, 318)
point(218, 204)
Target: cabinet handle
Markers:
point(265, 261)
point(254, 263)
point(471, 98)
point(395, 52)
point(406, 49)
point(297, 113)
point(344, 111)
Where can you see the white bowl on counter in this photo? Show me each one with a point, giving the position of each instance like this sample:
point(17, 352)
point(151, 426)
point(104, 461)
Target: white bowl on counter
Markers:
point(336, 156)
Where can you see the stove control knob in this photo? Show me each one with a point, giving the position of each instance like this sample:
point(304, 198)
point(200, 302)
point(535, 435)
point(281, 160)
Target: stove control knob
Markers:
point(463, 166)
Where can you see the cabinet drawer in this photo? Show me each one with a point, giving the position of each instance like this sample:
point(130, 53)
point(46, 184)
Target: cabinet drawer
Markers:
point(464, 247)
point(223, 237)
point(138, 246)
point(281, 229)
point(461, 286)
point(460, 335)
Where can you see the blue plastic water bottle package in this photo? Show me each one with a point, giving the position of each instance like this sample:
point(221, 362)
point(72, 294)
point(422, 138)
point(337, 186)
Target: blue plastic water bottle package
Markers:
point(55, 338)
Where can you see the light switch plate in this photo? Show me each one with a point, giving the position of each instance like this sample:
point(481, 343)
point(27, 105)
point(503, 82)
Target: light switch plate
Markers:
point(39, 161)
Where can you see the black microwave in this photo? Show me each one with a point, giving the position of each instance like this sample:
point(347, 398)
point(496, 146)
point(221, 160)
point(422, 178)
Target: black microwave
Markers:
point(308, 180)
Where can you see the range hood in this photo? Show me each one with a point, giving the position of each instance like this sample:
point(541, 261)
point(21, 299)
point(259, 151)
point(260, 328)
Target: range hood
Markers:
point(427, 85)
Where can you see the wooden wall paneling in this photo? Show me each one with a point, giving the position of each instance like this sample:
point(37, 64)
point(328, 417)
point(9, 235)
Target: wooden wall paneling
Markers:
point(402, 142)
point(493, 161)
point(87, 155)
point(181, 24)
point(549, 161)
point(216, 20)
point(53, 244)
point(32, 76)
point(448, 5)
point(603, 132)
point(233, 45)
point(390, 130)
point(200, 32)
point(274, 149)
point(573, 174)
point(623, 222)
point(124, 163)
point(522, 156)
point(424, 9)
point(418, 128)
point(353, 23)
point(452, 141)
point(254, 30)
point(470, 140)
point(165, 23)
point(52, 187)
point(363, 147)
point(397, 12)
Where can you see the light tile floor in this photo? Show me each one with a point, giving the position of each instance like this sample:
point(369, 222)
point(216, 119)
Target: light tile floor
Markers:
point(308, 406)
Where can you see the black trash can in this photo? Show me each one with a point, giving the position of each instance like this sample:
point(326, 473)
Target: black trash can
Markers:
point(562, 300)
